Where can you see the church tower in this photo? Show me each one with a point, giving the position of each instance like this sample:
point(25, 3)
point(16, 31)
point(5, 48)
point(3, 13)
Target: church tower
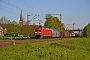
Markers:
point(21, 19)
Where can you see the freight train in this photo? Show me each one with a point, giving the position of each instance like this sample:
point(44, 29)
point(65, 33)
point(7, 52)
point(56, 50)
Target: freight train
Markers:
point(42, 32)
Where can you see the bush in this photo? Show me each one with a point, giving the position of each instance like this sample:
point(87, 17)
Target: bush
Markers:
point(87, 31)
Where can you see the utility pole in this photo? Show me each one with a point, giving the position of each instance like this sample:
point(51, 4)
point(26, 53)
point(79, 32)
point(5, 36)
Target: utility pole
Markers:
point(28, 19)
point(27, 25)
point(61, 22)
point(71, 26)
point(40, 21)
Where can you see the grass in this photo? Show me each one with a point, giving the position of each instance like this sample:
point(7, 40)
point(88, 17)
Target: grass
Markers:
point(67, 49)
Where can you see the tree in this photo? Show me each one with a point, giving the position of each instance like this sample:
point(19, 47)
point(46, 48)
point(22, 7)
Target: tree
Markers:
point(14, 22)
point(87, 31)
point(28, 30)
point(17, 29)
point(12, 29)
point(53, 22)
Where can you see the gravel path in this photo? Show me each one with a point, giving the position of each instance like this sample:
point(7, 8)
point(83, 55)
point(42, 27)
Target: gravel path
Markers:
point(15, 42)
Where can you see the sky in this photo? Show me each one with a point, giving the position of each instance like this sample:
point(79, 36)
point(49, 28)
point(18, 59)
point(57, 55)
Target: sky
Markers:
point(73, 11)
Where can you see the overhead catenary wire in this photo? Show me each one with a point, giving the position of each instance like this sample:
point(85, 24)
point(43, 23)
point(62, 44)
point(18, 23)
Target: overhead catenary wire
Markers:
point(41, 16)
point(13, 5)
point(10, 10)
point(6, 7)
point(28, 5)
point(10, 4)
point(25, 3)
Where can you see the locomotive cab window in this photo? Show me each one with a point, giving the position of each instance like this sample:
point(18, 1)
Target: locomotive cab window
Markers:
point(38, 29)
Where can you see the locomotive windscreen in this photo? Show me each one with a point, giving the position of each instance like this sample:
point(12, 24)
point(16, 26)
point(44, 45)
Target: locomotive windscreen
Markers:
point(38, 29)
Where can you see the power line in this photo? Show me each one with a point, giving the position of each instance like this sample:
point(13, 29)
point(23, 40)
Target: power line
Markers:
point(12, 5)
point(5, 7)
point(18, 7)
point(26, 4)
point(8, 11)
point(22, 8)
point(30, 5)
point(33, 8)
point(23, 2)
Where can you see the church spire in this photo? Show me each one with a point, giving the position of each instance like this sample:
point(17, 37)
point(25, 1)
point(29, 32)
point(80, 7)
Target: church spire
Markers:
point(21, 15)
point(21, 19)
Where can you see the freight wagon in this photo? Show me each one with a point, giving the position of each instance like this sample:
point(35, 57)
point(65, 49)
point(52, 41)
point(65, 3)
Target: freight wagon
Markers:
point(55, 33)
point(65, 34)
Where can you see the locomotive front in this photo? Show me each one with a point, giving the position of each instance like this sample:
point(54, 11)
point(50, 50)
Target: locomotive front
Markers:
point(37, 32)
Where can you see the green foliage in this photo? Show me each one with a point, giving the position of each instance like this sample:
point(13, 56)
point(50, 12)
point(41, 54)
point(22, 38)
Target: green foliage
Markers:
point(87, 30)
point(28, 29)
point(16, 29)
point(11, 28)
point(53, 22)
point(71, 49)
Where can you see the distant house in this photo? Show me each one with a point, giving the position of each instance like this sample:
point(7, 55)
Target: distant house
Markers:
point(1, 31)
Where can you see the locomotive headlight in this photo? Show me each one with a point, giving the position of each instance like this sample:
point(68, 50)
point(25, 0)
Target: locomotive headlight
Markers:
point(35, 32)
point(39, 32)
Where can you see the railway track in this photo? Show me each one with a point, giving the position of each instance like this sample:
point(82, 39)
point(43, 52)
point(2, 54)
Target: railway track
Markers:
point(15, 42)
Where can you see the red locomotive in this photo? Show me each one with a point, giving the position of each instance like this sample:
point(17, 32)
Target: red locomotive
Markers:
point(42, 32)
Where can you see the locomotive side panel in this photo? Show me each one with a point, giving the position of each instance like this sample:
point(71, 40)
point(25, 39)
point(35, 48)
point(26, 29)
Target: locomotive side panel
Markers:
point(46, 33)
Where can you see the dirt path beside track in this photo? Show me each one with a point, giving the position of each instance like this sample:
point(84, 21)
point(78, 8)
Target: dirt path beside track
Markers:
point(15, 42)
